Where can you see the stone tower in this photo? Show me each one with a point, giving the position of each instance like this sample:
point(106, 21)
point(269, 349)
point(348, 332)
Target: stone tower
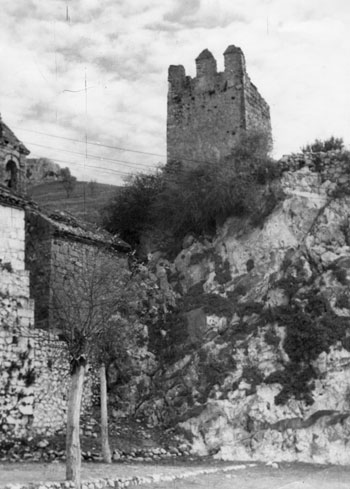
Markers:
point(207, 113)
point(12, 160)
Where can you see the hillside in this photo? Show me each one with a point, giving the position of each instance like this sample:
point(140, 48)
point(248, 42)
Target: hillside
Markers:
point(52, 196)
point(254, 353)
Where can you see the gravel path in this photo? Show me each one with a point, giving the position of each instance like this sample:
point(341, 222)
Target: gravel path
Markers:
point(229, 476)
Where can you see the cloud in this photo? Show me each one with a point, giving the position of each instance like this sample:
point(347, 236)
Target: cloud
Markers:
point(296, 54)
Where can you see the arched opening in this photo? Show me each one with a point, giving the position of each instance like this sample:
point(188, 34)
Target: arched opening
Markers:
point(11, 178)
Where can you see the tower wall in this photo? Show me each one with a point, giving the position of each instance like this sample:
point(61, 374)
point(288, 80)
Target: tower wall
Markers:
point(207, 113)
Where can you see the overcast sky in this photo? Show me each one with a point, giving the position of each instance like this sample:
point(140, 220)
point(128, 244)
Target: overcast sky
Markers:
point(297, 53)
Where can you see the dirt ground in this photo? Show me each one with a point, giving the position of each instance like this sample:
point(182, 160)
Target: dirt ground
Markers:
point(259, 476)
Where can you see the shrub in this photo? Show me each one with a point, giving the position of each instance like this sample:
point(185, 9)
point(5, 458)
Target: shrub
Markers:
point(129, 212)
point(311, 328)
point(296, 381)
point(178, 201)
point(330, 144)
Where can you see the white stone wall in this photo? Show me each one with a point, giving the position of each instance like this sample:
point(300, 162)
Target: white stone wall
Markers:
point(16, 324)
point(12, 237)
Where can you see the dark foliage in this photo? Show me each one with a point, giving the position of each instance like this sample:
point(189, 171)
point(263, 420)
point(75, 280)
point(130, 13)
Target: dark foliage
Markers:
point(296, 381)
point(129, 213)
point(194, 200)
point(325, 145)
point(311, 328)
point(29, 377)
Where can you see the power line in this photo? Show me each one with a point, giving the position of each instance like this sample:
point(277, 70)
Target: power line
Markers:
point(118, 148)
point(93, 143)
point(126, 163)
point(168, 178)
point(106, 170)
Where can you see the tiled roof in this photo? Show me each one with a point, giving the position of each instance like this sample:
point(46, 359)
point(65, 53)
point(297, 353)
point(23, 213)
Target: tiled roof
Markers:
point(11, 199)
point(66, 225)
point(8, 137)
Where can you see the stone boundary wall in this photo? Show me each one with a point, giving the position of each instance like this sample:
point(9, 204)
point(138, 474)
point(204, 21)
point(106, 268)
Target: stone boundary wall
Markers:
point(35, 380)
point(317, 173)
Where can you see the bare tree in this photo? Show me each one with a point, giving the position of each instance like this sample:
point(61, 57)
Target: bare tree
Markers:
point(82, 306)
point(68, 181)
point(92, 186)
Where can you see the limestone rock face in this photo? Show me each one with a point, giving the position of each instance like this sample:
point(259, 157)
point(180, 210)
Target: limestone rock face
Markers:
point(40, 170)
point(258, 367)
point(252, 358)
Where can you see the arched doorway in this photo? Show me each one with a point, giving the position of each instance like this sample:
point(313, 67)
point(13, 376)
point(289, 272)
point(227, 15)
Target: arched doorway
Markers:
point(11, 177)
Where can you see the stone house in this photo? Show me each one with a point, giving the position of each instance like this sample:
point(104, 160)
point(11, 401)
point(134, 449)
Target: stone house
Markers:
point(33, 366)
point(13, 155)
point(36, 251)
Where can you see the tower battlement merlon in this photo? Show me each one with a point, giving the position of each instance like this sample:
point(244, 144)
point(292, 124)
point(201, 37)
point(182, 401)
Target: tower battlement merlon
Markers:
point(206, 65)
point(176, 78)
point(234, 61)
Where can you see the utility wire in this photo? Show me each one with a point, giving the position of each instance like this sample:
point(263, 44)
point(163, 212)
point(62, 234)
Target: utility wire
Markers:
point(88, 155)
point(93, 143)
point(118, 148)
point(167, 178)
point(107, 170)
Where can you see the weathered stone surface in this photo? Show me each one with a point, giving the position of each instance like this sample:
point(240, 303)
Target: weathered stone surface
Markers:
point(208, 112)
point(219, 388)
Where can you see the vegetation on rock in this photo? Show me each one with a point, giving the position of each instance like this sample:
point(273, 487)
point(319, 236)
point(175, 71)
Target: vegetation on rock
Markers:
point(180, 201)
point(319, 145)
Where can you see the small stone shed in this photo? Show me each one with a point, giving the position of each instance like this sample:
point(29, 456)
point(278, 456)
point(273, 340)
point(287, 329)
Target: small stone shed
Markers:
point(58, 245)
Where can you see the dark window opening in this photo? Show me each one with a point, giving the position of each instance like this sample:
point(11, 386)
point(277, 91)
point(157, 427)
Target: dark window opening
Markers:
point(11, 178)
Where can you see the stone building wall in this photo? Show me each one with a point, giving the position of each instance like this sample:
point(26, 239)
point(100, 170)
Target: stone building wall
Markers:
point(257, 111)
point(16, 312)
point(53, 256)
point(12, 160)
point(207, 113)
point(34, 367)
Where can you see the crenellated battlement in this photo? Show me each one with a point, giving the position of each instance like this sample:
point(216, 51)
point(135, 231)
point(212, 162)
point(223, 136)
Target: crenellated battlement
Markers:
point(206, 113)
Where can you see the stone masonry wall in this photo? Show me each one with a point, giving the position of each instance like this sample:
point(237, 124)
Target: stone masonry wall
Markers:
point(76, 259)
point(316, 173)
point(7, 153)
point(37, 257)
point(207, 113)
point(34, 369)
point(12, 237)
point(256, 109)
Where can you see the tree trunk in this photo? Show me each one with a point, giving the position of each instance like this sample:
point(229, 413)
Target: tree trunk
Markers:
point(73, 454)
point(106, 451)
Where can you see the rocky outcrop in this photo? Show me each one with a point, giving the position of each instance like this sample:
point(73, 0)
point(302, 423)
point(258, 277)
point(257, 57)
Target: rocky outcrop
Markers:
point(40, 170)
point(254, 359)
